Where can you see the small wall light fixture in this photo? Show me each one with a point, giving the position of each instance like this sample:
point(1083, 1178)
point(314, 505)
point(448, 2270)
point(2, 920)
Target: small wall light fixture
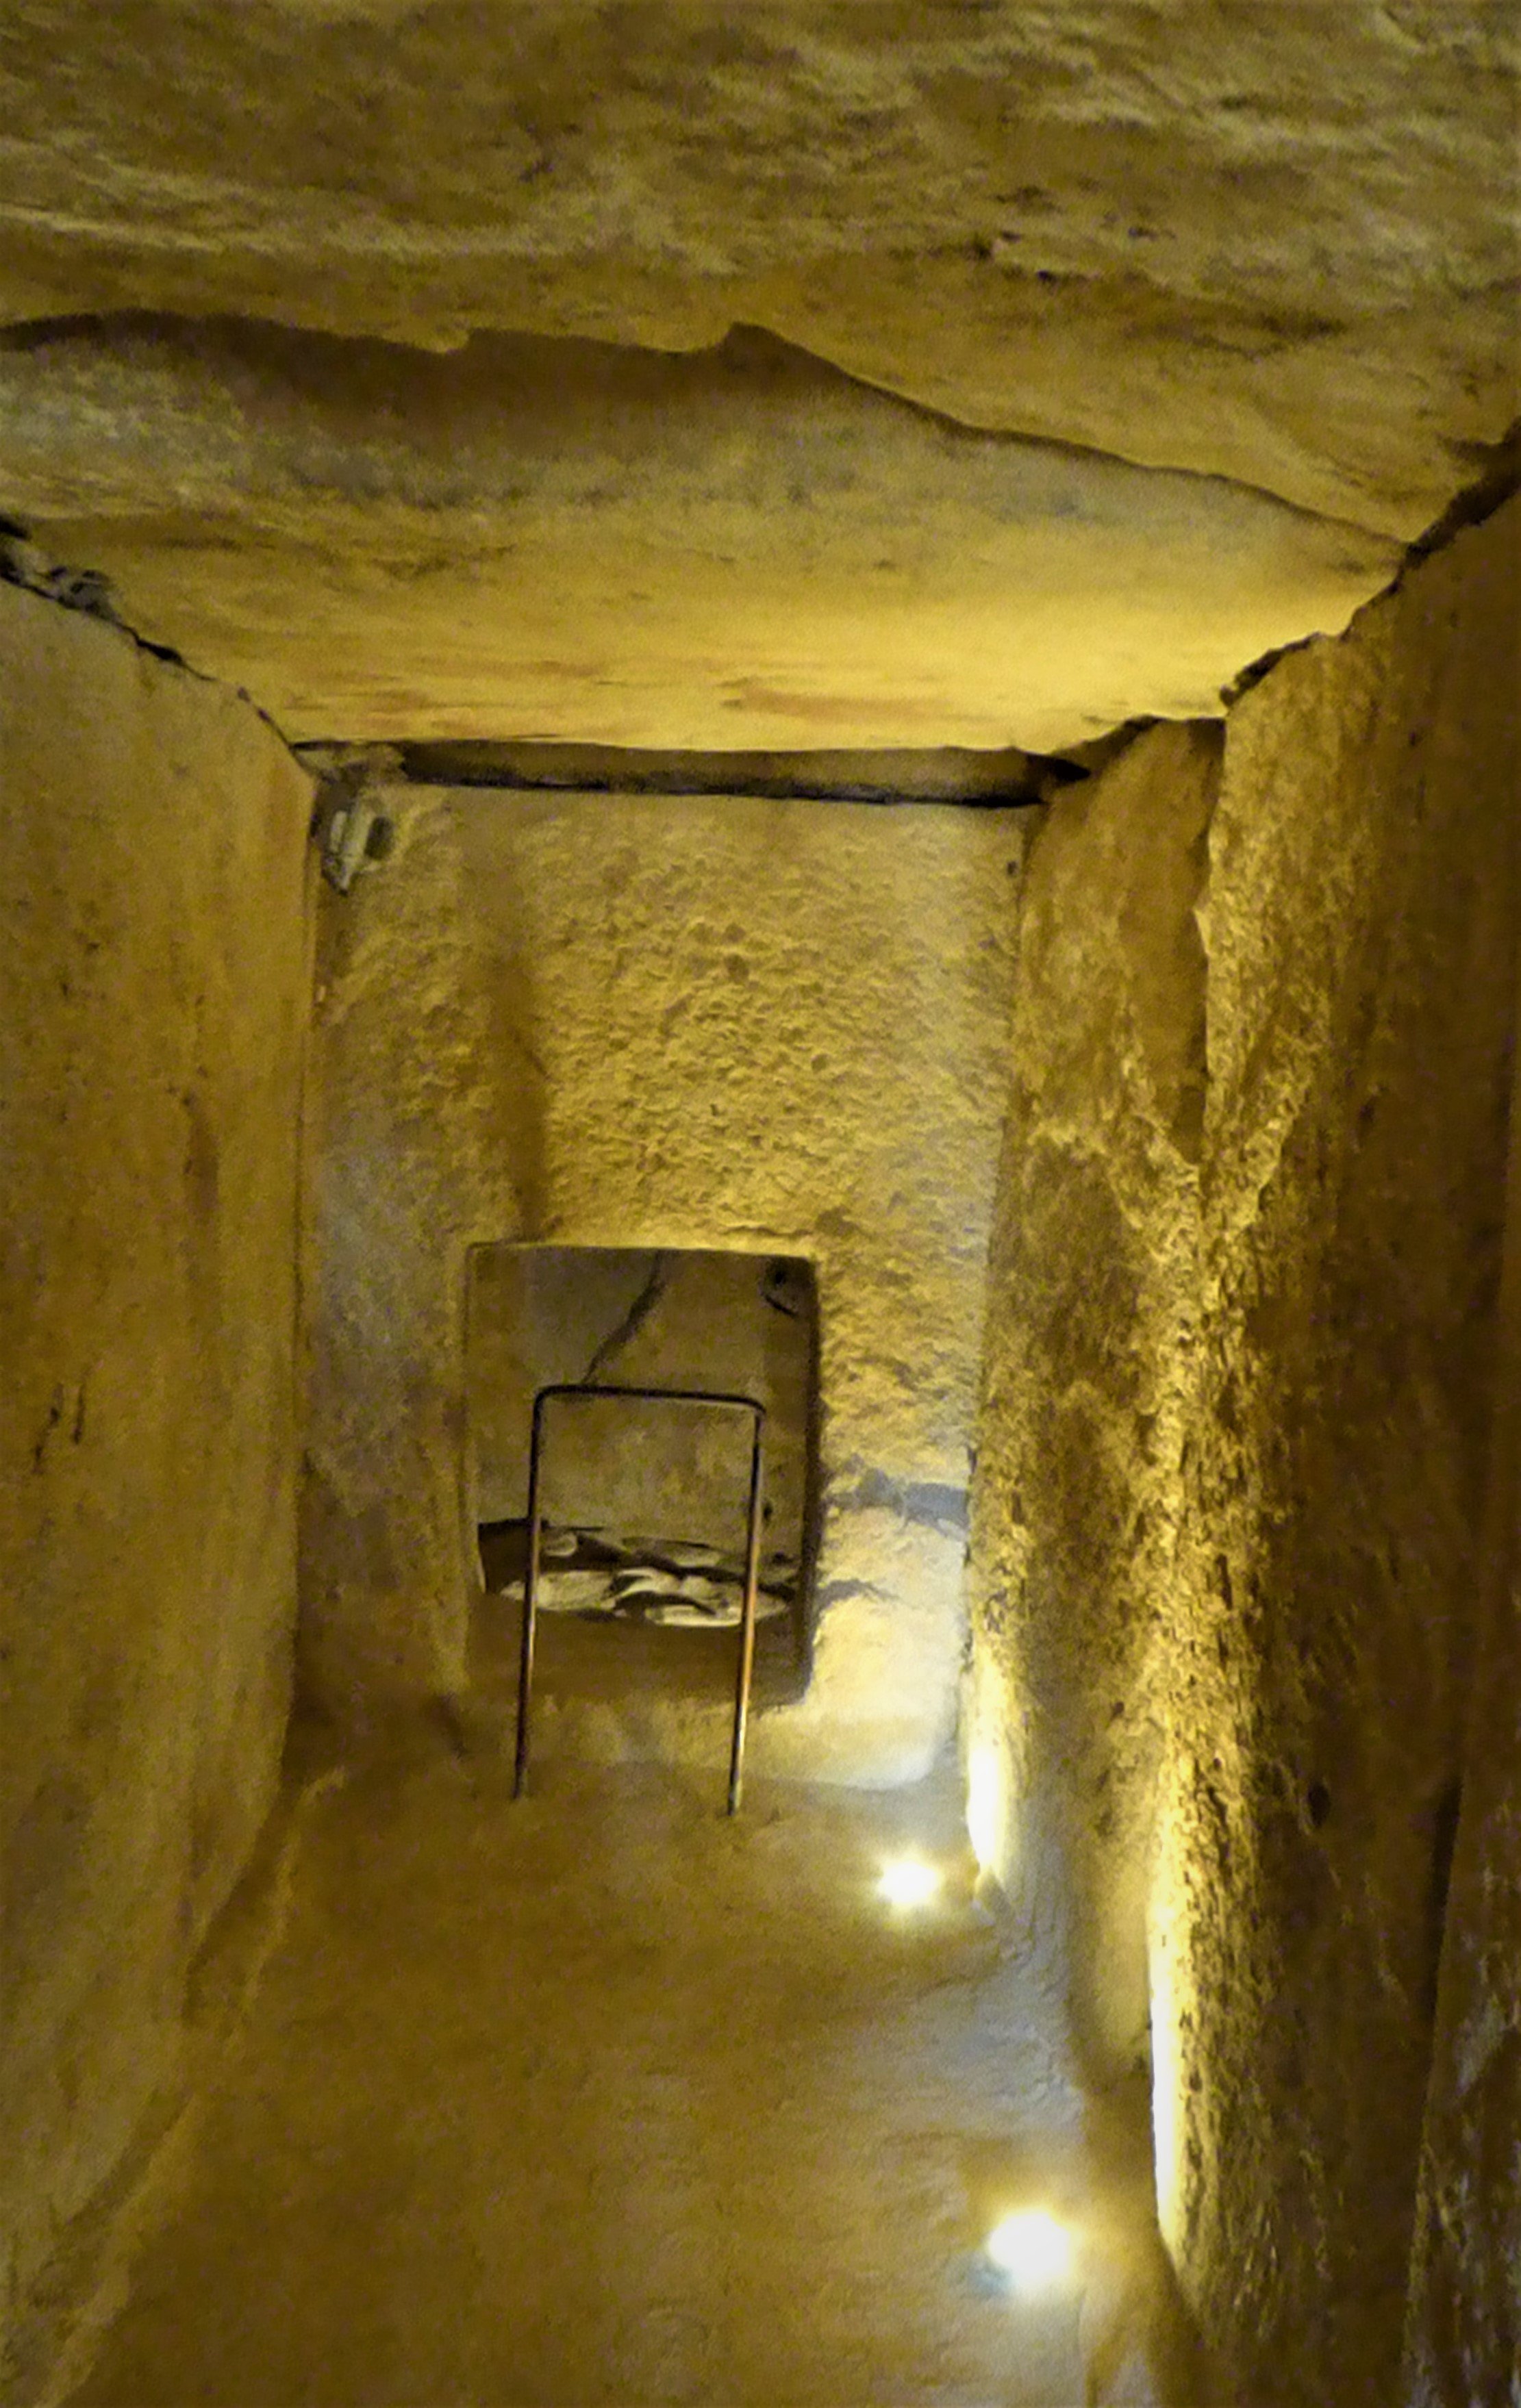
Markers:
point(908, 1881)
point(1031, 2249)
point(355, 835)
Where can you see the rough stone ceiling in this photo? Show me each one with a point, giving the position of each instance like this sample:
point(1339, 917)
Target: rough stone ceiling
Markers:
point(383, 354)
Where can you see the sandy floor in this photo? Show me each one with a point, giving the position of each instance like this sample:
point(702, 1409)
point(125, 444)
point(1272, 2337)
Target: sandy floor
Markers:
point(601, 2098)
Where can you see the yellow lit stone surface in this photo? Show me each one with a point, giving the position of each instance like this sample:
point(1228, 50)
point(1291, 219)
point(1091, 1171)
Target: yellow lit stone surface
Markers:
point(823, 989)
point(450, 423)
point(1242, 1365)
point(1270, 243)
point(741, 548)
point(153, 1004)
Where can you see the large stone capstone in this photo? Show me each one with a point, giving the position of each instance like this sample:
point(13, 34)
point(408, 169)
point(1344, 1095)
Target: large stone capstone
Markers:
point(449, 433)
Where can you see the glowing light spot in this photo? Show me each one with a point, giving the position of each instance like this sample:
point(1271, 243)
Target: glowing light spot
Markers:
point(908, 1881)
point(984, 1803)
point(1167, 2093)
point(1031, 2248)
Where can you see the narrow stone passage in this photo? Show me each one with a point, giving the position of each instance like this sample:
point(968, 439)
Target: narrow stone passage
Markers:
point(601, 2098)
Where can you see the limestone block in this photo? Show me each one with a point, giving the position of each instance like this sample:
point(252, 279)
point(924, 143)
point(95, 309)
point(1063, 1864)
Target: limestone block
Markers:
point(1361, 932)
point(1276, 245)
point(738, 547)
point(1463, 2308)
point(1092, 1300)
point(1237, 1421)
point(154, 1005)
point(659, 1023)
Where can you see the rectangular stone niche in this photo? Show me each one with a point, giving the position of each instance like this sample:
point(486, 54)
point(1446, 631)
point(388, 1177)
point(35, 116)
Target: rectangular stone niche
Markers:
point(644, 1503)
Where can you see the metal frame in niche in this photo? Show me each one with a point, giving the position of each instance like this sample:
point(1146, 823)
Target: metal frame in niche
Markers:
point(747, 1615)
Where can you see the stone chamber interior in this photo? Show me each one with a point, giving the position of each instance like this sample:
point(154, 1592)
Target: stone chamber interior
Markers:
point(822, 702)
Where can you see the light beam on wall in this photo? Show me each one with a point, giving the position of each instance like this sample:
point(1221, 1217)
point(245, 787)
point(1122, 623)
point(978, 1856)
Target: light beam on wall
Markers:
point(985, 1803)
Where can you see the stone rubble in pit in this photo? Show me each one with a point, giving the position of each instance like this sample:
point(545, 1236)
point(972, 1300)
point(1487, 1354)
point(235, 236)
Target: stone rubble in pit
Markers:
point(675, 1583)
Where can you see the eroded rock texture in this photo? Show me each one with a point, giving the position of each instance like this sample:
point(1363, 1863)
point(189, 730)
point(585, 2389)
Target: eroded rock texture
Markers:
point(568, 539)
point(153, 999)
point(1094, 1306)
point(1361, 938)
point(1269, 243)
point(453, 418)
point(1241, 1394)
point(662, 1022)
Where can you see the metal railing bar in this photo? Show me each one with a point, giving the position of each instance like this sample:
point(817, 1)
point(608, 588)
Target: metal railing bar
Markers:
point(745, 1671)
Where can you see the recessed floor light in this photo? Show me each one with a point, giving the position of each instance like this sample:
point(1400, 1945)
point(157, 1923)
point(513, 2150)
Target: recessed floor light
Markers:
point(908, 1881)
point(1031, 2248)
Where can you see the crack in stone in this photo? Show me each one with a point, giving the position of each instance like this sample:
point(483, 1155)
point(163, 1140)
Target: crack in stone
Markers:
point(633, 1319)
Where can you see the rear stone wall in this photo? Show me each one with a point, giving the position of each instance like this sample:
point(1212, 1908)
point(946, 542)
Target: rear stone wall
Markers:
point(778, 1026)
point(153, 999)
point(1242, 1380)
